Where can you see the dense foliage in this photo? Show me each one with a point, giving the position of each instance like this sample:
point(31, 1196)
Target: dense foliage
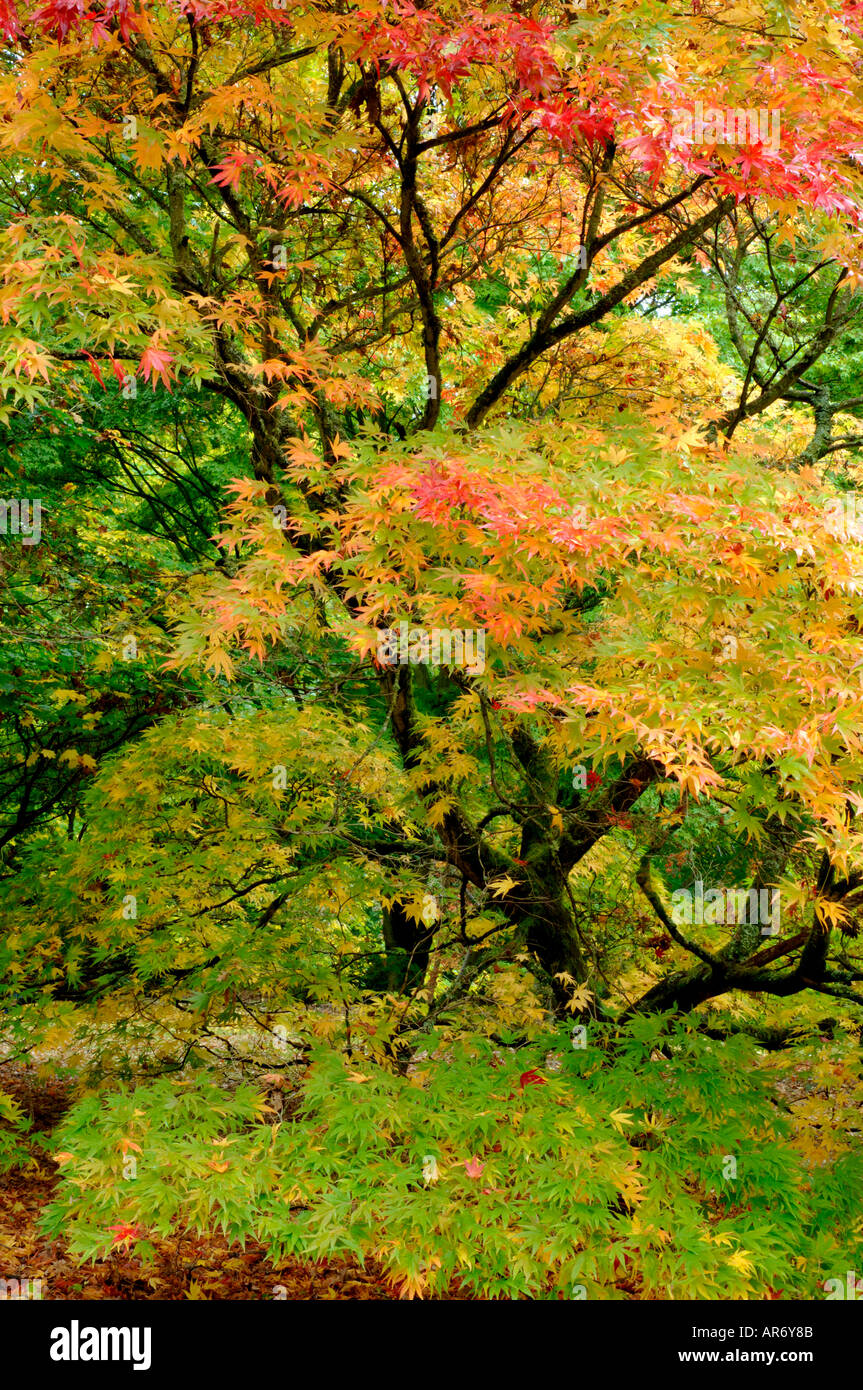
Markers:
point(432, 586)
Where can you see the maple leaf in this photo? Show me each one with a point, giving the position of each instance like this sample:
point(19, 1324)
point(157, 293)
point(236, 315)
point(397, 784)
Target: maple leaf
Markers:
point(531, 1078)
point(501, 886)
point(740, 1261)
point(126, 1233)
point(580, 998)
point(94, 368)
point(473, 1167)
point(9, 22)
point(34, 362)
point(620, 1119)
point(156, 363)
point(149, 155)
point(230, 169)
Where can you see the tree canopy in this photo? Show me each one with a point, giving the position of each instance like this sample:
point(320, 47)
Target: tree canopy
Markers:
point(432, 586)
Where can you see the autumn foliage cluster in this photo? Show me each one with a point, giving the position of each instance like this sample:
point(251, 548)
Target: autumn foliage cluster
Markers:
point(324, 322)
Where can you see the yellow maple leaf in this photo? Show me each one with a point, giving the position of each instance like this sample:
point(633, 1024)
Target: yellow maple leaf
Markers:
point(61, 696)
point(739, 1262)
point(501, 886)
point(620, 1118)
point(581, 997)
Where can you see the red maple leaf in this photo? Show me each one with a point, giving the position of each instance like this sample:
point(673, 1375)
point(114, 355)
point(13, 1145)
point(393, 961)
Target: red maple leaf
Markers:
point(119, 371)
point(593, 779)
point(473, 1167)
point(229, 171)
point(9, 24)
point(531, 1078)
point(94, 368)
point(156, 362)
point(58, 17)
point(125, 1233)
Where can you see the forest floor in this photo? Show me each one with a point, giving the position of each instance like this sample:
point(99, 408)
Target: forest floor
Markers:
point(188, 1267)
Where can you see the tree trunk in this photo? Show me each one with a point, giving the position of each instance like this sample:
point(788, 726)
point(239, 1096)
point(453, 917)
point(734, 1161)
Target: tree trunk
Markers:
point(408, 944)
